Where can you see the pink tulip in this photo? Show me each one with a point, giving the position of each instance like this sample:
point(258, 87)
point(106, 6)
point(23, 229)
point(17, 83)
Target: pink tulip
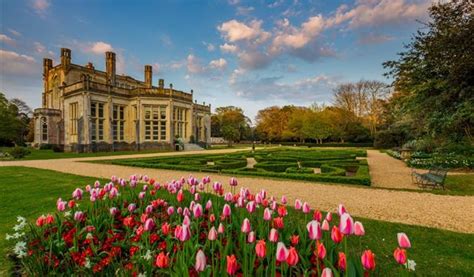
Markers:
point(61, 205)
point(246, 226)
point(298, 204)
point(258, 198)
point(403, 240)
point(251, 237)
point(284, 200)
point(306, 208)
point(220, 228)
point(273, 237)
point(149, 224)
point(141, 195)
point(131, 207)
point(192, 189)
point(359, 229)
point(329, 216)
point(267, 214)
point(400, 255)
point(197, 211)
point(251, 206)
point(77, 194)
point(325, 225)
point(228, 197)
point(200, 261)
point(179, 210)
point(273, 206)
point(327, 272)
point(346, 224)
point(149, 209)
point(113, 178)
point(226, 211)
point(183, 233)
point(197, 197)
point(186, 212)
point(209, 205)
point(88, 188)
point(186, 220)
point(314, 230)
point(79, 216)
point(233, 182)
point(341, 210)
point(170, 210)
point(113, 192)
point(282, 252)
point(113, 211)
point(368, 260)
point(212, 234)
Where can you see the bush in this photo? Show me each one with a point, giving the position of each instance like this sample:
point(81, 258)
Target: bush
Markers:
point(19, 152)
point(46, 146)
point(275, 167)
point(303, 170)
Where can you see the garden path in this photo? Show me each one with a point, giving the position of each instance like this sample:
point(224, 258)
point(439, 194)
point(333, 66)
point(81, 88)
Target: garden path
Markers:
point(425, 209)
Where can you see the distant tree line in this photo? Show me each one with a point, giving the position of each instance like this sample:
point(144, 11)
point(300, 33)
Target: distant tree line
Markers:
point(15, 122)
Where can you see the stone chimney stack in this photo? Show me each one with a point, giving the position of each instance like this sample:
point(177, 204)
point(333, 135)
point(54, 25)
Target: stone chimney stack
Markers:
point(110, 67)
point(47, 65)
point(161, 83)
point(148, 76)
point(65, 58)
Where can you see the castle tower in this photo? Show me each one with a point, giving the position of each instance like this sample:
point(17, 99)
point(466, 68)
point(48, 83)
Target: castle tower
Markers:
point(110, 67)
point(65, 58)
point(148, 76)
point(47, 65)
point(161, 83)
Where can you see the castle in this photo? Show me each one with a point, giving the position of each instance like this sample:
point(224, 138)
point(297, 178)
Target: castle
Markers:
point(88, 110)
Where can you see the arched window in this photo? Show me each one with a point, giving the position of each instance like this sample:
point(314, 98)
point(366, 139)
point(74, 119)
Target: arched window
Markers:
point(44, 129)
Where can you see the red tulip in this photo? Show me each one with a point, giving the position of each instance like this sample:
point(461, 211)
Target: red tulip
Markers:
point(292, 258)
point(278, 223)
point(49, 219)
point(336, 235)
point(403, 240)
point(180, 196)
point(261, 248)
point(368, 260)
point(162, 260)
point(341, 262)
point(321, 250)
point(346, 224)
point(400, 255)
point(232, 265)
point(317, 215)
point(273, 237)
point(165, 228)
point(295, 239)
point(282, 252)
point(41, 221)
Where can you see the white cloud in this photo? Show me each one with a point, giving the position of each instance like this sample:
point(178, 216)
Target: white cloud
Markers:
point(6, 39)
point(193, 65)
point(209, 46)
point(156, 68)
point(254, 59)
point(98, 47)
point(39, 48)
point(245, 10)
point(14, 32)
point(12, 63)
point(234, 31)
point(233, 2)
point(228, 48)
point(40, 6)
point(218, 64)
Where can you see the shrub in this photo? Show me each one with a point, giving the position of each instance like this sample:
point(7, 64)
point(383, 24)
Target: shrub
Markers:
point(19, 152)
point(304, 170)
point(275, 167)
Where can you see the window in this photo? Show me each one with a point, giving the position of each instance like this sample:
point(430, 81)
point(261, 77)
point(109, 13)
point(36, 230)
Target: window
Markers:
point(73, 118)
point(97, 121)
point(180, 123)
point(44, 129)
point(155, 123)
point(118, 123)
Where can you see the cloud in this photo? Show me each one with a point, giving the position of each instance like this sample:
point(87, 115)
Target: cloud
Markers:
point(156, 68)
point(233, 2)
point(245, 10)
point(12, 63)
point(209, 46)
point(39, 48)
point(98, 47)
point(193, 65)
point(218, 64)
point(228, 48)
point(275, 4)
point(14, 32)
point(234, 31)
point(254, 59)
point(6, 39)
point(373, 38)
point(40, 6)
point(166, 40)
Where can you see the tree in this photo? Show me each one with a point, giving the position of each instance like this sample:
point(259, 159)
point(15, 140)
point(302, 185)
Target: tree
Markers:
point(272, 122)
point(230, 133)
point(13, 124)
point(316, 126)
point(231, 120)
point(434, 74)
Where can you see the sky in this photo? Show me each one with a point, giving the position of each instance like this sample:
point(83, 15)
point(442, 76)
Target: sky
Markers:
point(250, 54)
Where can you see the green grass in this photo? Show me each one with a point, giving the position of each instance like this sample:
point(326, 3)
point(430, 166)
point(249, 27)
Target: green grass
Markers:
point(31, 192)
point(37, 154)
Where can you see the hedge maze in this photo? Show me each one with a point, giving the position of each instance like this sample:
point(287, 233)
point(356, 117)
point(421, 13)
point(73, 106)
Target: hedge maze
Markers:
point(318, 165)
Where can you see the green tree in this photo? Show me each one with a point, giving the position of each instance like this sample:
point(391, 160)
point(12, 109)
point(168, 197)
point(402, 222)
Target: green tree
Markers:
point(12, 123)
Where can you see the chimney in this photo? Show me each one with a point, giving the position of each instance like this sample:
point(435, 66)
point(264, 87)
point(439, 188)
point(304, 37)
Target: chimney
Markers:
point(110, 66)
point(65, 58)
point(47, 65)
point(148, 76)
point(161, 83)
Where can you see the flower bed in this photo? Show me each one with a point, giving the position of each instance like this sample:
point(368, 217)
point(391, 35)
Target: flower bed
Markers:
point(191, 227)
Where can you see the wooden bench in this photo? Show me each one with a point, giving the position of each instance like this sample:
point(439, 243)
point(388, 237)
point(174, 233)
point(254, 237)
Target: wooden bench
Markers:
point(434, 178)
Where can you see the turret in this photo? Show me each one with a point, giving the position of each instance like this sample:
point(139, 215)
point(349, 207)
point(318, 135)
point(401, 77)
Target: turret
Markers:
point(65, 58)
point(110, 67)
point(161, 83)
point(47, 65)
point(148, 76)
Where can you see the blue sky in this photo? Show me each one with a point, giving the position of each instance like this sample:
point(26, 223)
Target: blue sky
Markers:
point(250, 54)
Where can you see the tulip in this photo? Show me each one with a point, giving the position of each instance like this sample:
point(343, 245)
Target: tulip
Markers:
point(281, 252)
point(61, 205)
point(267, 214)
point(183, 233)
point(180, 196)
point(251, 206)
point(297, 204)
point(231, 265)
point(131, 207)
point(220, 228)
point(336, 235)
point(165, 228)
point(284, 200)
point(314, 230)
point(325, 225)
point(273, 205)
point(41, 221)
point(228, 197)
point(212, 218)
point(346, 224)
point(258, 198)
point(186, 212)
point(149, 209)
point(113, 211)
point(79, 216)
point(197, 197)
point(179, 210)
point(251, 237)
point(295, 239)
point(273, 237)
point(77, 194)
point(327, 272)
point(261, 248)
point(233, 182)
point(368, 260)
point(186, 220)
point(329, 217)
point(71, 204)
point(292, 258)
point(149, 224)
point(88, 188)
point(306, 209)
point(209, 205)
point(200, 261)
point(170, 210)
point(317, 215)
point(321, 250)
point(400, 255)
point(197, 211)
point(403, 240)
point(359, 229)
point(282, 210)
point(49, 219)
point(113, 192)
point(226, 211)
point(162, 260)
point(341, 210)
point(342, 262)
point(245, 228)
point(212, 234)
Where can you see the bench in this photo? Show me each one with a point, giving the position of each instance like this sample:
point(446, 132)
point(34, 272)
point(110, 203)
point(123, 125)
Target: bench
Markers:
point(434, 178)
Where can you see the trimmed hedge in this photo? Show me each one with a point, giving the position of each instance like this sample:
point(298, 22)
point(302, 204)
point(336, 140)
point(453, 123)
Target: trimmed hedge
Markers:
point(304, 170)
point(275, 167)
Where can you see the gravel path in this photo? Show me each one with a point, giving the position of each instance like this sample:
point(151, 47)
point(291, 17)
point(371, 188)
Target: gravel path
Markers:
point(425, 209)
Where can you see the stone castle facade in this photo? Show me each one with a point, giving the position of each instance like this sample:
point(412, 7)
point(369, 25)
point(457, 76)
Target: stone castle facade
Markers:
point(87, 110)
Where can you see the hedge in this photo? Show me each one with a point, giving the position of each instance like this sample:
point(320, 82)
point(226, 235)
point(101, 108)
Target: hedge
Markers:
point(275, 167)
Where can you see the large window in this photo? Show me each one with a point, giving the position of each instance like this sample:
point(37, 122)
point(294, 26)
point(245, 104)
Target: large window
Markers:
point(73, 118)
point(97, 121)
point(44, 129)
point(118, 123)
point(155, 123)
point(180, 124)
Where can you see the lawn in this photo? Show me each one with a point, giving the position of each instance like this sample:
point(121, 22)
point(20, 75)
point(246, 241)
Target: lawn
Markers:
point(30, 192)
point(318, 165)
point(47, 154)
